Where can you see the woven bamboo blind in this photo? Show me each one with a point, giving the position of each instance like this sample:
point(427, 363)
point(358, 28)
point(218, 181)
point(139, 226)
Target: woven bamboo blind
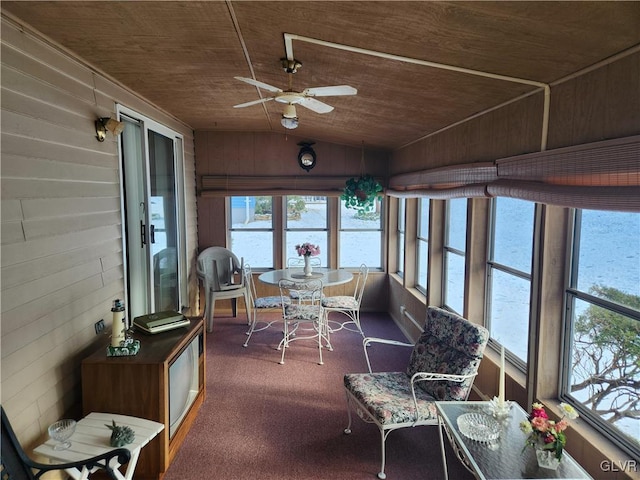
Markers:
point(220, 185)
point(600, 175)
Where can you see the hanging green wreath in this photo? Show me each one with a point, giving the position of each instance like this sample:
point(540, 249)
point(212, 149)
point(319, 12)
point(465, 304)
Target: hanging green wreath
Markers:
point(360, 193)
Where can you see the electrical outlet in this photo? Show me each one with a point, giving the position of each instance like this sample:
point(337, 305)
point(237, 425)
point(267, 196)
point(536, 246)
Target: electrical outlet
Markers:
point(99, 326)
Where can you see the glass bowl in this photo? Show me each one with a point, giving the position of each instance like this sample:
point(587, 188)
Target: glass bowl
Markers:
point(61, 431)
point(479, 427)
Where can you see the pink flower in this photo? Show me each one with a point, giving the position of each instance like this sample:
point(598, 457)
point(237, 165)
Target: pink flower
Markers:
point(539, 423)
point(307, 249)
point(562, 425)
point(538, 412)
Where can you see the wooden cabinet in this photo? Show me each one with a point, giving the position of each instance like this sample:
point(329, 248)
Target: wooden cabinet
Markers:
point(141, 386)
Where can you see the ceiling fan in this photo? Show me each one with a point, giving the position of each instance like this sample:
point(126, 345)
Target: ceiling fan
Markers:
point(291, 98)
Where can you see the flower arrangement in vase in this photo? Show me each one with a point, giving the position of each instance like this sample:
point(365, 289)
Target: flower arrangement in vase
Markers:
point(547, 436)
point(307, 250)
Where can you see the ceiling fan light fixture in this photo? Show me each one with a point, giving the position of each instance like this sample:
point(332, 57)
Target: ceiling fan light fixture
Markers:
point(289, 117)
point(289, 111)
point(289, 123)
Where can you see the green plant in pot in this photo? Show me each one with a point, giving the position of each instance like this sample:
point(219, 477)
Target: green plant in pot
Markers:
point(360, 193)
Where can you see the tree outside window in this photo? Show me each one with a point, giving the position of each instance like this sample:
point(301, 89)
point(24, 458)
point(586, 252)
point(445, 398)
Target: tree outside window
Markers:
point(603, 351)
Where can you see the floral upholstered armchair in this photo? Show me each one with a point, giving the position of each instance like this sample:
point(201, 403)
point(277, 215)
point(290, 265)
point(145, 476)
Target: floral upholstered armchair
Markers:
point(442, 367)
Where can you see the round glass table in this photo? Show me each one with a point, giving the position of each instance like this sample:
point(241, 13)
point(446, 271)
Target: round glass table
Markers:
point(328, 276)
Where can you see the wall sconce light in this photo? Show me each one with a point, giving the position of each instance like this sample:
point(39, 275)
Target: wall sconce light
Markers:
point(306, 156)
point(108, 124)
point(289, 117)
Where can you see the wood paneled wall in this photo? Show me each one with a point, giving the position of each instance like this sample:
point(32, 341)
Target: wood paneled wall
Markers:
point(272, 155)
point(599, 105)
point(62, 259)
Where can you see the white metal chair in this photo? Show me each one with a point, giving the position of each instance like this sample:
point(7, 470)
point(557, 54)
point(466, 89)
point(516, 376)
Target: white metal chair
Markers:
point(303, 320)
point(443, 364)
point(260, 304)
point(348, 305)
point(216, 268)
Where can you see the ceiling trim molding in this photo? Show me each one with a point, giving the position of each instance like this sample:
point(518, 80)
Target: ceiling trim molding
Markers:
point(290, 37)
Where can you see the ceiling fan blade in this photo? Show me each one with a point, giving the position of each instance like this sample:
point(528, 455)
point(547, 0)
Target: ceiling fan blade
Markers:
point(315, 105)
point(253, 102)
point(330, 91)
point(258, 84)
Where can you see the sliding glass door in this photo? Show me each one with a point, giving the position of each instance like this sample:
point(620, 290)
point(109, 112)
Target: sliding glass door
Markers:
point(153, 208)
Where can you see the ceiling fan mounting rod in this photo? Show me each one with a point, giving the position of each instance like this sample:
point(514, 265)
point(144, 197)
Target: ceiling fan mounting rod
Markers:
point(290, 65)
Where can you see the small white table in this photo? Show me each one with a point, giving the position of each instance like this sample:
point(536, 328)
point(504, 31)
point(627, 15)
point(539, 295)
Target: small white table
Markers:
point(328, 276)
point(91, 438)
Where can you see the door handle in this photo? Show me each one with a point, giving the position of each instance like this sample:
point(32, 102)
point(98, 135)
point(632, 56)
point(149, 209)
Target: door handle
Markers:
point(143, 235)
point(152, 233)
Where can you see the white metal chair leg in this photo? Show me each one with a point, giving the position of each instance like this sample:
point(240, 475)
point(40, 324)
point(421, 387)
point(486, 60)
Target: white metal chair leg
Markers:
point(442, 449)
point(347, 430)
point(381, 474)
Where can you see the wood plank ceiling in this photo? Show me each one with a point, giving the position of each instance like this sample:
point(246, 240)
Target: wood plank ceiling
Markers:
point(183, 56)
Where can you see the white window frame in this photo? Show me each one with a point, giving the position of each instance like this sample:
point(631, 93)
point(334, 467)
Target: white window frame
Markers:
point(422, 244)
point(449, 251)
point(494, 266)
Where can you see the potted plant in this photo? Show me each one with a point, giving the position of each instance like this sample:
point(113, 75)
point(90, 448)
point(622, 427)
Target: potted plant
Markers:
point(360, 193)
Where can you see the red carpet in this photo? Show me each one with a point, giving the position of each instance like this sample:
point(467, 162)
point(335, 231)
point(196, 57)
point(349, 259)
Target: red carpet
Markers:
point(270, 421)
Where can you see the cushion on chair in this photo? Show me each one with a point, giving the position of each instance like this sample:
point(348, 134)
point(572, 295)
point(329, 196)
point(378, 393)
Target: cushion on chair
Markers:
point(450, 344)
point(269, 302)
point(387, 396)
point(302, 311)
point(341, 301)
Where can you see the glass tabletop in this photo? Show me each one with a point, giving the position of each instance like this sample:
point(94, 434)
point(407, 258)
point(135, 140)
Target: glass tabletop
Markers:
point(503, 458)
point(328, 276)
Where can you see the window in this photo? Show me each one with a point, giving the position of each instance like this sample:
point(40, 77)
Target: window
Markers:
point(454, 254)
point(251, 230)
point(360, 237)
point(422, 246)
point(509, 274)
point(602, 347)
point(306, 221)
point(400, 233)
